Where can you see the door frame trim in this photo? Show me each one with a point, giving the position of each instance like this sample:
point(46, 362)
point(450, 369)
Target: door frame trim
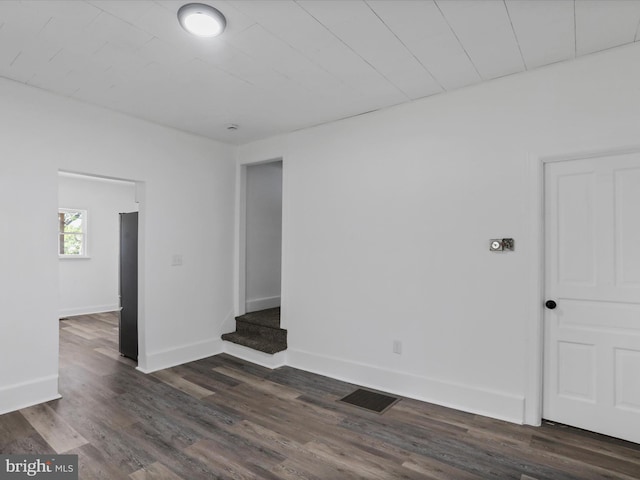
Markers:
point(241, 232)
point(534, 350)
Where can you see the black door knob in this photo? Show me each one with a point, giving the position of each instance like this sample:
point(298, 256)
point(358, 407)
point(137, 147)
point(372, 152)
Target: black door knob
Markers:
point(550, 304)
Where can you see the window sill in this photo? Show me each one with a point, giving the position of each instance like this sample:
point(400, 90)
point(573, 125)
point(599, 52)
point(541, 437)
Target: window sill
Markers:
point(74, 257)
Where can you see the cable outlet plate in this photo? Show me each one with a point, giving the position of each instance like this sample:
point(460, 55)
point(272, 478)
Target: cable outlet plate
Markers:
point(501, 244)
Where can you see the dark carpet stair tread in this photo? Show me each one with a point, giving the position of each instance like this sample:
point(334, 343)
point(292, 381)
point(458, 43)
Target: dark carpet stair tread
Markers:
point(265, 318)
point(264, 345)
point(258, 331)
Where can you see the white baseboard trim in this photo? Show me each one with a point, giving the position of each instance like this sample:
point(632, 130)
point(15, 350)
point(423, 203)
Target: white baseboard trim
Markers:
point(256, 304)
point(72, 312)
point(481, 401)
point(26, 394)
point(500, 405)
point(263, 359)
point(179, 355)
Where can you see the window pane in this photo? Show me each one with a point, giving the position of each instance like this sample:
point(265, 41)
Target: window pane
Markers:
point(72, 226)
point(73, 222)
point(73, 244)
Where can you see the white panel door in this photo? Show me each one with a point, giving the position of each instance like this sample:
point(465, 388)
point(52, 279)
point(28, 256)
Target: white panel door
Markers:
point(592, 272)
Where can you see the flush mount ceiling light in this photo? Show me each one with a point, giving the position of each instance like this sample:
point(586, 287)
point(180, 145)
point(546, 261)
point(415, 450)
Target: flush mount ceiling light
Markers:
point(201, 20)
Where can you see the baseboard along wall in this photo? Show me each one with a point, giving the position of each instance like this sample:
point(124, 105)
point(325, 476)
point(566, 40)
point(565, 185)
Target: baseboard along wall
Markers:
point(88, 310)
point(499, 405)
point(172, 357)
point(255, 304)
point(22, 395)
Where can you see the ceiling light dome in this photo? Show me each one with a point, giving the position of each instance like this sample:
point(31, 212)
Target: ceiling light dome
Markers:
point(201, 20)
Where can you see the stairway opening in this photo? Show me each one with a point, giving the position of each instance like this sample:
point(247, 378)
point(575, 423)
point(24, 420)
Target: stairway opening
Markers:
point(260, 259)
point(263, 221)
point(260, 331)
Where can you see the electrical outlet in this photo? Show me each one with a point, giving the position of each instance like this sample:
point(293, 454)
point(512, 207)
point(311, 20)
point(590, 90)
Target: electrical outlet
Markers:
point(397, 347)
point(176, 260)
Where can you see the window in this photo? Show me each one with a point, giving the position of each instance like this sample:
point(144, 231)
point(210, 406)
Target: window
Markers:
point(72, 232)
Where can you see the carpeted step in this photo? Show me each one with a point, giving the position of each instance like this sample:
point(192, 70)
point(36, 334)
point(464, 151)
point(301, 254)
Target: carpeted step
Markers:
point(266, 345)
point(258, 331)
point(265, 318)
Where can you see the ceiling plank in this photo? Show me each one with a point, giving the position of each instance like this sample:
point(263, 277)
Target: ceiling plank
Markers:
point(544, 30)
point(361, 30)
point(303, 33)
point(420, 26)
point(601, 25)
point(485, 33)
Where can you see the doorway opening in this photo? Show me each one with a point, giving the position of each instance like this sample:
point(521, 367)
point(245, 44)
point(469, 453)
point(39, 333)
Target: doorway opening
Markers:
point(90, 250)
point(257, 324)
point(260, 236)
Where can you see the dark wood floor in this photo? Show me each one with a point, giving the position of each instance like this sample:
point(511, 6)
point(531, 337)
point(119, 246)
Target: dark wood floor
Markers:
point(224, 418)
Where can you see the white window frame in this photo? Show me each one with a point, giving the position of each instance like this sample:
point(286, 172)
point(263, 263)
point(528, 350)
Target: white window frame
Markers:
point(84, 216)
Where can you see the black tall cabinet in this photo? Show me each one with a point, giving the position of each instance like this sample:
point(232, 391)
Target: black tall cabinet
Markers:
point(129, 285)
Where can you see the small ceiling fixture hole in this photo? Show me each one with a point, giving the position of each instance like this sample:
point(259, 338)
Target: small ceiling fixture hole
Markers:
point(232, 127)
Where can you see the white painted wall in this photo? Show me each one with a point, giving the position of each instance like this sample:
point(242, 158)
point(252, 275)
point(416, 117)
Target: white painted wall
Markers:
point(186, 194)
point(385, 227)
point(91, 285)
point(263, 235)
point(387, 220)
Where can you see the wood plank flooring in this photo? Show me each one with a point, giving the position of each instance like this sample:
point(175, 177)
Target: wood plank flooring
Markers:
point(223, 418)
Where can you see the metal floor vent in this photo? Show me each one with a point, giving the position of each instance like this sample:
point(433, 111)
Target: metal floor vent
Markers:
point(372, 401)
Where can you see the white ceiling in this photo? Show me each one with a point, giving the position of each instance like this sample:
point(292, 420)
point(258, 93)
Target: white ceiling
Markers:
point(282, 65)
